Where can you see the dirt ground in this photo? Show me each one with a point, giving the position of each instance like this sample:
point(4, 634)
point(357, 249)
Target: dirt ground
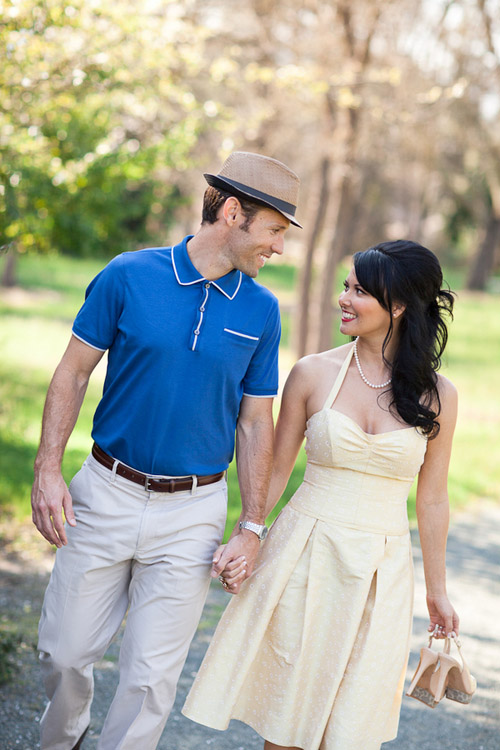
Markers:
point(473, 584)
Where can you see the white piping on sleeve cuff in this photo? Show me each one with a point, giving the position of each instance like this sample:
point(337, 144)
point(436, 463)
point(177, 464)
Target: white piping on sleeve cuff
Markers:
point(252, 395)
point(97, 348)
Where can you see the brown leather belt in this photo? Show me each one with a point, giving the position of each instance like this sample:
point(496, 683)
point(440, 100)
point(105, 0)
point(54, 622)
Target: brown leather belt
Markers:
point(149, 483)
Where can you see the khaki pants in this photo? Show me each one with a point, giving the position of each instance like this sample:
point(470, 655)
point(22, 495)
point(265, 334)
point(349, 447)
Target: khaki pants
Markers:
point(146, 551)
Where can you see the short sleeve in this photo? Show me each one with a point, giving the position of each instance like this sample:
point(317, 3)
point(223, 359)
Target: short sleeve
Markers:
point(97, 320)
point(261, 378)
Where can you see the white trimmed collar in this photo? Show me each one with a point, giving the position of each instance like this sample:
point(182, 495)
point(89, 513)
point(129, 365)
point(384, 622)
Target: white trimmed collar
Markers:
point(186, 274)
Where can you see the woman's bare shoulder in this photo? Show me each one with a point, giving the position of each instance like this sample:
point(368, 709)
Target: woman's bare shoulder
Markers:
point(448, 397)
point(313, 362)
point(308, 369)
point(445, 387)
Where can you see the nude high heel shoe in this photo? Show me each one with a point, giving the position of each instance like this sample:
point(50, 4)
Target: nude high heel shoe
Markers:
point(461, 685)
point(440, 674)
point(420, 687)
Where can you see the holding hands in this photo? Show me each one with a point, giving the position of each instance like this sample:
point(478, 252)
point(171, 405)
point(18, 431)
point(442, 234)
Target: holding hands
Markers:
point(234, 562)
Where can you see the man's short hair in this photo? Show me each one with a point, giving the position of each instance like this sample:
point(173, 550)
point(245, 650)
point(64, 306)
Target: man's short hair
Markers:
point(214, 198)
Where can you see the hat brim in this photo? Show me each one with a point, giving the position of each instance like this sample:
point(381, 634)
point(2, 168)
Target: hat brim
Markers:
point(269, 201)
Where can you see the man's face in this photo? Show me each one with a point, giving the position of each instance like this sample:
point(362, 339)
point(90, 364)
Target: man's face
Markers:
point(251, 245)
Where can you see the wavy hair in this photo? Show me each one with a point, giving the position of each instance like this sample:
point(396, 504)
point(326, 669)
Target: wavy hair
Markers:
point(407, 273)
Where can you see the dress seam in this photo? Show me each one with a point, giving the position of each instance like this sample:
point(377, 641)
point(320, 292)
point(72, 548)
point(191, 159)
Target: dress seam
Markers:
point(335, 522)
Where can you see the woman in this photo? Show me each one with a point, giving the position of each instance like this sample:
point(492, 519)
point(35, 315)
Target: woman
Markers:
point(313, 652)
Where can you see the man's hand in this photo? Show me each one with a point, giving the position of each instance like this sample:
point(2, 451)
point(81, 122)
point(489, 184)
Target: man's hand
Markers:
point(49, 497)
point(233, 575)
point(235, 560)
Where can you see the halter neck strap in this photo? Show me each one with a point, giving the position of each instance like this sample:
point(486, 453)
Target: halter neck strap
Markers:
point(339, 379)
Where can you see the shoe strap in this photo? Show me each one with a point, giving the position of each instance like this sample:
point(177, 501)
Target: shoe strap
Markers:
point(447, 647)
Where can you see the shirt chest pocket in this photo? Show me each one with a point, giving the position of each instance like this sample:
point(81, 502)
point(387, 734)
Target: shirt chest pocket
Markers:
point(238, 347)
point(246, 339)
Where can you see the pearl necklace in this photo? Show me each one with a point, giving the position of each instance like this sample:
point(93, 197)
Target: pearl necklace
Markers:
point(363, 376)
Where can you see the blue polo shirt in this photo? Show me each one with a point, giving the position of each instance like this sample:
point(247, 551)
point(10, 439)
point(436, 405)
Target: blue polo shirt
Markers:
point(182, 351)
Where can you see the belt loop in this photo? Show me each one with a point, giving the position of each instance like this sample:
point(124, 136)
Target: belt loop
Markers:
point(113, 471)
point(195, 484)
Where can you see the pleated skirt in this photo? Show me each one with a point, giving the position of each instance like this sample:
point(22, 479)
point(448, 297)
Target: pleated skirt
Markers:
point(313, 651)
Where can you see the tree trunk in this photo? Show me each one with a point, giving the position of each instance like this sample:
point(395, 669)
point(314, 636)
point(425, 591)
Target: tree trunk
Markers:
point(338, 245)
point(357, 57)
point(484, 262)
point(305, 279)
point(9, 270)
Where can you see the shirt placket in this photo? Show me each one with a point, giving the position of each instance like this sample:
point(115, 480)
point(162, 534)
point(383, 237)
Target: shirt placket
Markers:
point(201, 311)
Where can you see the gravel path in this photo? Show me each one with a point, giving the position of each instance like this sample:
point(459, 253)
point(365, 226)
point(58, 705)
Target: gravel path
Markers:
point(474, 587)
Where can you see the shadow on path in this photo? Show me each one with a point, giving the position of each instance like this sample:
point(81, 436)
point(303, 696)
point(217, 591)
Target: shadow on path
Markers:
point(474, 588)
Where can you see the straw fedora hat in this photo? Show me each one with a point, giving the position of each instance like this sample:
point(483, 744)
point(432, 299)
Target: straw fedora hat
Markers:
point(261, 179)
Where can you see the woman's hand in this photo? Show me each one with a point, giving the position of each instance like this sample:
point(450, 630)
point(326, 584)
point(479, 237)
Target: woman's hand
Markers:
point(234, 561)
point(234, 574)
point(443, 618)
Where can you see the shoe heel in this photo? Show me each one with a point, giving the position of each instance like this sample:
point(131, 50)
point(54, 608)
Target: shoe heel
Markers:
point(439, 679)
point(420, 684)
point(461, 684)
point(431, 678)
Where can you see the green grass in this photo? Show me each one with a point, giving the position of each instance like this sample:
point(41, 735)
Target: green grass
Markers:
point(278, 276)
point(472, 362)
point(56, 285)
point(36, 325)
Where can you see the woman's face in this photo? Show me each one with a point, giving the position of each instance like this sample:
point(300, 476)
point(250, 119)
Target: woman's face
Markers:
point(362, 314)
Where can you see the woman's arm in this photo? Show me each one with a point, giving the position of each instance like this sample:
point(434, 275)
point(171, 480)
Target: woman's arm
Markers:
point(433, 512)
point(288, 438)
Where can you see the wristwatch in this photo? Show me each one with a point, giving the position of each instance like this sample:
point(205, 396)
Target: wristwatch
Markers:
point(257, 528)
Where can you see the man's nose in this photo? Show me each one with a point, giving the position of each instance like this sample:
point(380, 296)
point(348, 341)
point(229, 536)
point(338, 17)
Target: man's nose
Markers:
point(278, 245)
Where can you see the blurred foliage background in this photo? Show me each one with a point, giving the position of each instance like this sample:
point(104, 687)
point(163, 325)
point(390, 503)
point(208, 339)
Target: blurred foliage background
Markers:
point(110, 112)
point(36, 324)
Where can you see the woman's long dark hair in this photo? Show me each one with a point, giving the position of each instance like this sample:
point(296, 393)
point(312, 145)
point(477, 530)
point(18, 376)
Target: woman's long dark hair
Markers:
point(407, 273)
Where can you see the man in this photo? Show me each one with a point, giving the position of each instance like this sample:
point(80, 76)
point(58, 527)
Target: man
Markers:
point(192, 347)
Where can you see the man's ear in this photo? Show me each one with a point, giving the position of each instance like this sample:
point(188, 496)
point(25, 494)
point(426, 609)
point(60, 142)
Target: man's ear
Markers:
point(230, 210)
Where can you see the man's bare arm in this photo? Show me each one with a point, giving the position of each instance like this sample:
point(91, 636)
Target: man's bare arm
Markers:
point(254, 457)
point(50, 495)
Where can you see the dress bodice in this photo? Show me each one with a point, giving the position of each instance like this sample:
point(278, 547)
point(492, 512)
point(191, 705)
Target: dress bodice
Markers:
point(335, 440)
point(355, 477)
